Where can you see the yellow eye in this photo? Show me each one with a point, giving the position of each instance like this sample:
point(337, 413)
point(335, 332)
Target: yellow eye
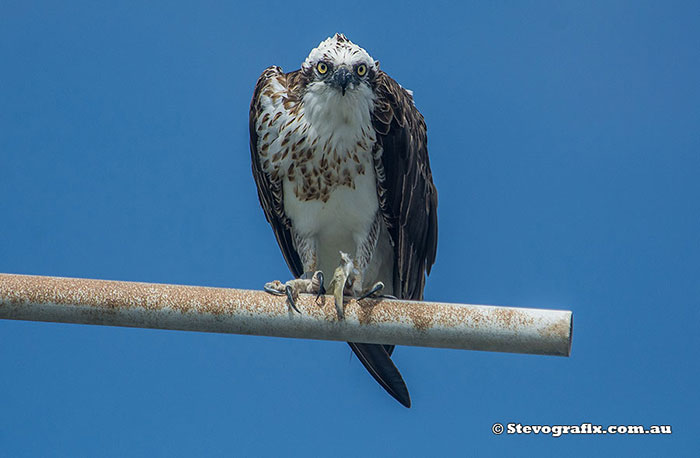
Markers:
point(322, 67)
point(361, 69)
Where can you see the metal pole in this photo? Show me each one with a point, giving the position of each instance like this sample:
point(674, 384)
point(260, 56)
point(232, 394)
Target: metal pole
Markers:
point(196, 308)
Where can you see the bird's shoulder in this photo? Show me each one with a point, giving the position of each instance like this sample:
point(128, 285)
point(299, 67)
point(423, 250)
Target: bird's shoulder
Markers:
point(274, 87)
point(395, 109)
point(275, 101)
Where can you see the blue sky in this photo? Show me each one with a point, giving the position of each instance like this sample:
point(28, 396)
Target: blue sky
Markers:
point(564, 141)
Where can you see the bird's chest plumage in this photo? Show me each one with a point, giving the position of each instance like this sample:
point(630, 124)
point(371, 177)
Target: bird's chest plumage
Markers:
point(330, 190)
point(318, 165)
point(321, 151)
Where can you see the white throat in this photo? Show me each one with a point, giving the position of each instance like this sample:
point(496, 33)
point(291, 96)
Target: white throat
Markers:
point(341, 119)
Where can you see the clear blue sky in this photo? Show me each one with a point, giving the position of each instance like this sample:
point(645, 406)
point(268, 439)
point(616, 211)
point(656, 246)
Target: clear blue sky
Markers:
point(565, 145)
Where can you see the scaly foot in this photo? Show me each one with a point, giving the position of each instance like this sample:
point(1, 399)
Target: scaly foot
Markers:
point(310, 282)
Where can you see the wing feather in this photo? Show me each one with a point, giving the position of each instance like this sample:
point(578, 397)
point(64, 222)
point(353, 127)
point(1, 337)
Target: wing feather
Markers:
point(270, 190)
point(408, 196)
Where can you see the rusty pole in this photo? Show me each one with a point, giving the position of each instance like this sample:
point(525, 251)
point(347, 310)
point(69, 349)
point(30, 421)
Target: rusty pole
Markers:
point(196, 308)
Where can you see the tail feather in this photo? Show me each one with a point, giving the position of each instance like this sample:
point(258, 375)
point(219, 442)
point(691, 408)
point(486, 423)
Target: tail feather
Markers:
point(376, 359)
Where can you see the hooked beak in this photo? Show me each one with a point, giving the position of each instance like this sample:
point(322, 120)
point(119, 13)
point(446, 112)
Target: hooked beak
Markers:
point(342, 78)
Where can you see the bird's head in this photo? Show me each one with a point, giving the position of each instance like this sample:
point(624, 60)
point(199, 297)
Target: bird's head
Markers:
point(340, 64)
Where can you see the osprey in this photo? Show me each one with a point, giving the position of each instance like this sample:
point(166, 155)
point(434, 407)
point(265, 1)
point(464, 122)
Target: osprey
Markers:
point(340, 159)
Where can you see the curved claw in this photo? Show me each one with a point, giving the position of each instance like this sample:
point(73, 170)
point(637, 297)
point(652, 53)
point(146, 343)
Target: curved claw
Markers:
point(290, 298)
point(269, 289)
point(321, 289)
point(376, 288)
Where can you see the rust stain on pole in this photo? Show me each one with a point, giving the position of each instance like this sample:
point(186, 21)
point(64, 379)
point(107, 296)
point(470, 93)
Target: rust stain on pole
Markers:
point(197, 308)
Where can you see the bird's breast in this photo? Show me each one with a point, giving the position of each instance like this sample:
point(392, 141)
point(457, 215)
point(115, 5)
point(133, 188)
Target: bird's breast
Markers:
point(346, 209)
point(330, 183)
point(321, 151)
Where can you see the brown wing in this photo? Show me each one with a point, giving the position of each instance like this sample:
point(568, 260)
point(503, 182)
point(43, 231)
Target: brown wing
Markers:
point(407, 194)
point(270, 189)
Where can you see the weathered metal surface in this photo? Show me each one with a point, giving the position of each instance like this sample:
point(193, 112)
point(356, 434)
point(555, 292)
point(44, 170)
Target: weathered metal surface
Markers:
point(196, 308)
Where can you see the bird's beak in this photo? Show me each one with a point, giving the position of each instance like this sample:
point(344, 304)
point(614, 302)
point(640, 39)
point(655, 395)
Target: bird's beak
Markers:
point(342, 78)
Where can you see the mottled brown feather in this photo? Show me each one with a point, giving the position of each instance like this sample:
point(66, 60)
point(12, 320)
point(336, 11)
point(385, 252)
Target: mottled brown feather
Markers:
point(270, 188)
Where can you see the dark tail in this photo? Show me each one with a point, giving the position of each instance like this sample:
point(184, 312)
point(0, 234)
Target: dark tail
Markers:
point(377, 360)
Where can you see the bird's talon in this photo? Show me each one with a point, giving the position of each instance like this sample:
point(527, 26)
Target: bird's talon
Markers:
point(274, 288)
point(375, 289)
point(290, 298)
point(321, 289)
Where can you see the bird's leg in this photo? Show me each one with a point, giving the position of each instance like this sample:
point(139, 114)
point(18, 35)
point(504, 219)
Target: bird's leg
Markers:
point(310, 282)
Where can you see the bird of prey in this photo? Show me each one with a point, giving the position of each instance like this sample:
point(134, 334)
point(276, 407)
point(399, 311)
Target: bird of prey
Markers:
point(340, 159)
